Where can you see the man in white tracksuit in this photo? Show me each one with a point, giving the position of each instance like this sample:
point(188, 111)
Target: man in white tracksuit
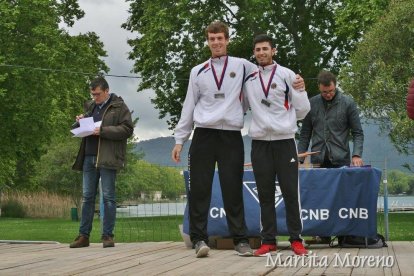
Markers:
point(276, 106)
point(213, 105)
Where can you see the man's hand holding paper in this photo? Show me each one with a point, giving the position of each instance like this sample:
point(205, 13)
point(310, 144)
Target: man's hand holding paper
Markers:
point(87, 127)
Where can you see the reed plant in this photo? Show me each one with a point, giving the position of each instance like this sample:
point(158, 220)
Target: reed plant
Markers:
point(40, 204)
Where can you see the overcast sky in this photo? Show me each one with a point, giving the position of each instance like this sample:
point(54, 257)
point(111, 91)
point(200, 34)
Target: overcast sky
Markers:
point(104, 17)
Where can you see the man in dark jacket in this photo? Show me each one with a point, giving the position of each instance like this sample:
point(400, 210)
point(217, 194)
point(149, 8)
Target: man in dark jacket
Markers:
point(333, 119)
point(100, 156)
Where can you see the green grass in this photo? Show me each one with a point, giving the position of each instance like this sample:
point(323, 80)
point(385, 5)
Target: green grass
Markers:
point(64, 231)
point(400, 226)
point(151, 229)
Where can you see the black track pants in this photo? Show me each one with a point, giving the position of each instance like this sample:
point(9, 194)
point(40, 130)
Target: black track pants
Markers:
point(224, 147)
point(271, 159)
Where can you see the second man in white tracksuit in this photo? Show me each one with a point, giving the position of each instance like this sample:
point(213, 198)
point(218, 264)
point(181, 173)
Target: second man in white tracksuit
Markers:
point(276, 106)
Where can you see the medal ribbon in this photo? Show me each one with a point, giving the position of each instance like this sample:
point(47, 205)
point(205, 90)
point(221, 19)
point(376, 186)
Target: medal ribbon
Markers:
point(266, 89)
point(219, 82)
point(286, 96)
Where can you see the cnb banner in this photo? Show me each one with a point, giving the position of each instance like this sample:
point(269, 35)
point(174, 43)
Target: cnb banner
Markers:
point(334, 202)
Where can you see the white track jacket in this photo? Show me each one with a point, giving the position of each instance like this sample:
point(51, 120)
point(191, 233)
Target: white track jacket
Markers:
point(209, 105)
point(274, 117)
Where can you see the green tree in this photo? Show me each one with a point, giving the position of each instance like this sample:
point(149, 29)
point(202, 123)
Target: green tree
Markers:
point(54, 173)
point(310, 35)
point(173, 183)
point(380, 70)
point(141, 176)
point(39, 104)
point(126, 177)
point(397, 182)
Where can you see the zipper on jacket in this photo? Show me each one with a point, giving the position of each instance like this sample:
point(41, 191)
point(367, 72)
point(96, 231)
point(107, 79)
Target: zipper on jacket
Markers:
point(99, 140)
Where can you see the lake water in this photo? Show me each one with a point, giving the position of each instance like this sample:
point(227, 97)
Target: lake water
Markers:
point(177, 208)
point(396, 201)
point(152, 209)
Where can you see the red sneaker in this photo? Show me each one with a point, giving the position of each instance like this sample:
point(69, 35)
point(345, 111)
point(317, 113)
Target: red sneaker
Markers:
point(264, 249)
point(298, 248)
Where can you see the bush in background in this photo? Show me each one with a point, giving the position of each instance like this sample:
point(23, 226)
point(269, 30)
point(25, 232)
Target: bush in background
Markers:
point(12, 209)
point(40, 204)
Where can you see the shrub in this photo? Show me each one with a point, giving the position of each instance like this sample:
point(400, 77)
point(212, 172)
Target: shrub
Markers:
point(41, 204)
point(13, 209)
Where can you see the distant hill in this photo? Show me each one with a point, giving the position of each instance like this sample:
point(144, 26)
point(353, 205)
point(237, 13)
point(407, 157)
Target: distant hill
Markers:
point(377, 147)
point(158, 151)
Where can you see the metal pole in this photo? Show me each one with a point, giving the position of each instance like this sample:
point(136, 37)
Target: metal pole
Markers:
point(385, 182)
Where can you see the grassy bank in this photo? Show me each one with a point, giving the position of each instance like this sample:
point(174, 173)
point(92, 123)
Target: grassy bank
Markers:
point(64, 231)
point(400, 225)
point(150, 229)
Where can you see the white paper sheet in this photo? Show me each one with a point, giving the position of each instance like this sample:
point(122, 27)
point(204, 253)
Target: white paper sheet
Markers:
point(86, 127)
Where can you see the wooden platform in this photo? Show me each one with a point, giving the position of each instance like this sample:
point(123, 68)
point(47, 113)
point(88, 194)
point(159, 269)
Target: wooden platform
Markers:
point(173, 258)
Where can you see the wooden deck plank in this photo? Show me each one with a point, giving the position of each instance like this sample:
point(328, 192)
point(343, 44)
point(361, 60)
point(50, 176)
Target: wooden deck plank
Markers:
point(245, 265)
point(234, 265)
point(336, 268)
point(172, 263)
point(173, 258)
point(388, 271)
point(367, 256)
point(147, 262)
point(33, 248)
point(29, 254)
point(394, 270)
point(178, 266)
point(111, 257)
point(283, 252)
point(7, 246)
point(258, 265)
point(231, 264)
point(404, 258)
point(69, 259)
point(323, 261)
point(319, 252)
point(56, 258)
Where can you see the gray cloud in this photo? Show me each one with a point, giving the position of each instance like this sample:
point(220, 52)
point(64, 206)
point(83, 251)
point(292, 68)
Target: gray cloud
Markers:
point(105, 19)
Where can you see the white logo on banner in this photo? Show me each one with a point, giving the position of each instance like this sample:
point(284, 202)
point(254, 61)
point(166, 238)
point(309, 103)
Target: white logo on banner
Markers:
point(251, 187)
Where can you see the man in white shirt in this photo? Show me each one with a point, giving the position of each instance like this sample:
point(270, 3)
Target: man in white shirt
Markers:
point(213, 104)
point(276, 106)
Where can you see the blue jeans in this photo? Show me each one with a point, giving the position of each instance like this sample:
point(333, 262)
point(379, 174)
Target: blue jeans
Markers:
point(91, 176)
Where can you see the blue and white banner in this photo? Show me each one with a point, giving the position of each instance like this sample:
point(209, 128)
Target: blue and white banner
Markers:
point(334, 202)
